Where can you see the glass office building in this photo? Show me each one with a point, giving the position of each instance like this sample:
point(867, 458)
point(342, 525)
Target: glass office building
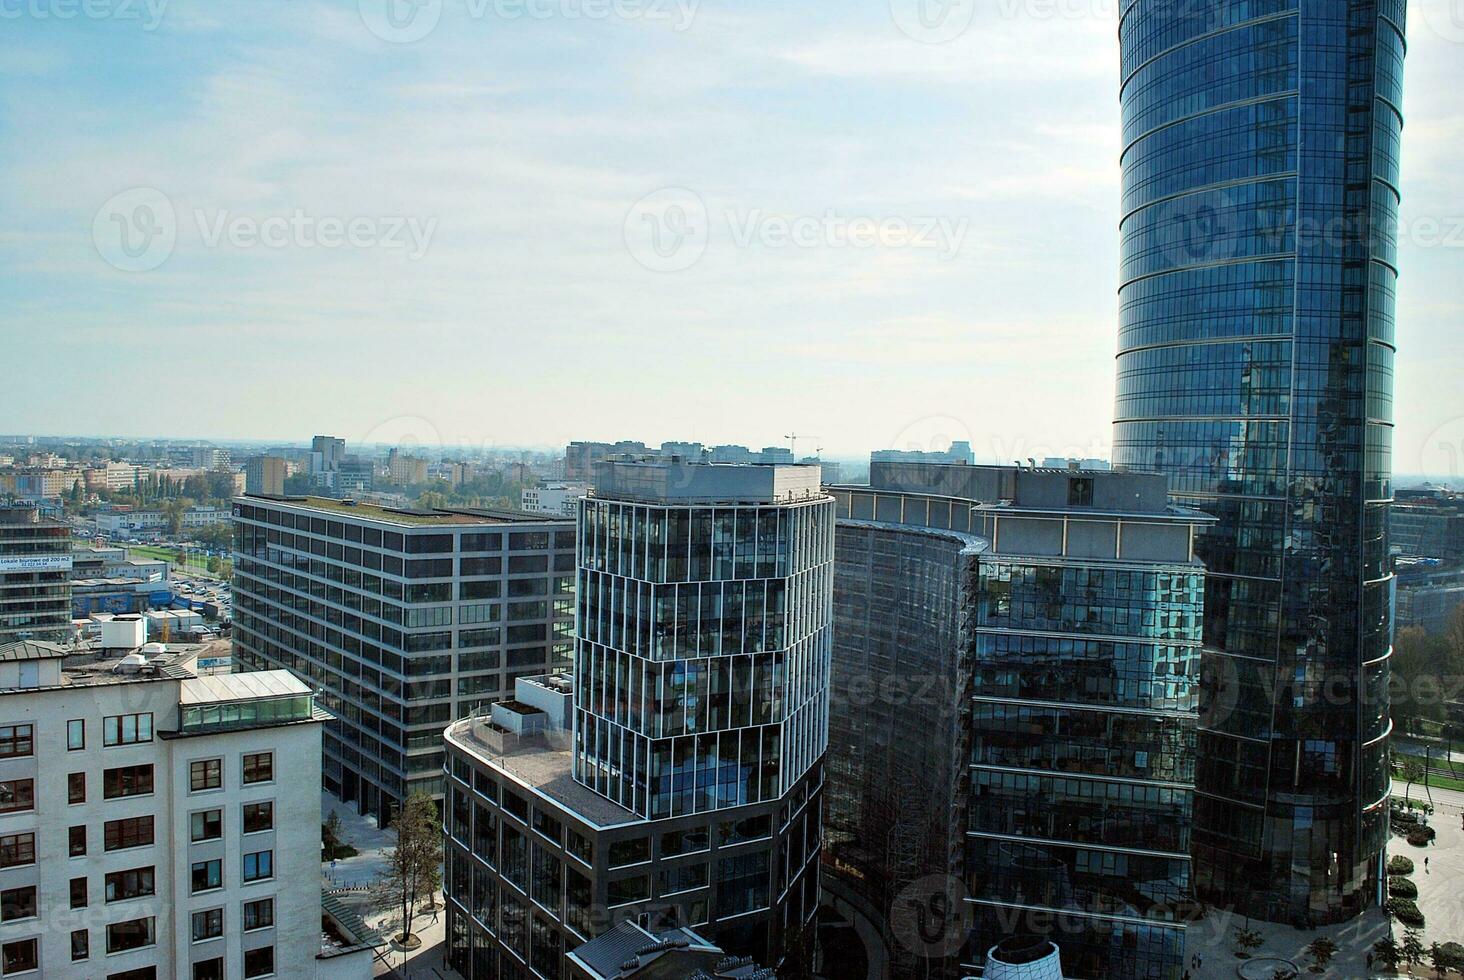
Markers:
point(678, 778)
point(1255, 369)
point(899, 724)
point(1066, 608)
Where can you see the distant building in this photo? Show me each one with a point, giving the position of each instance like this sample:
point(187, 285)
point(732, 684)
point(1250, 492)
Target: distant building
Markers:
point(176, 817)
point(960, 452)
point(1428, 526)
point(405, 471)
point(1429, 591)
point(581, 458)
point(35, 576)
point(553, 498)
point(265, 475)
point(123, 523)
point(331, 449)
point(356, 473)
point(405, 620)
point(211, 458)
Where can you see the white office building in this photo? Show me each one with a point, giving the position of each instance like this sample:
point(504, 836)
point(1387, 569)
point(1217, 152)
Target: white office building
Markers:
point(154, 824)
point(553, 498)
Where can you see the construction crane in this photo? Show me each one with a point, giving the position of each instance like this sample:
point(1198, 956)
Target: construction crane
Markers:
point(793, 438)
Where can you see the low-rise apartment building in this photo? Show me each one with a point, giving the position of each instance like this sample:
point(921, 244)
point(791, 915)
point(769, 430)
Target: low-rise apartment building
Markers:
point(154, 824)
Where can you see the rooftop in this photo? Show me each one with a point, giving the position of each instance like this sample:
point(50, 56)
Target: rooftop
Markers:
point(541, 763)
point(251, 686)
point(467, 517)
point(677, 480)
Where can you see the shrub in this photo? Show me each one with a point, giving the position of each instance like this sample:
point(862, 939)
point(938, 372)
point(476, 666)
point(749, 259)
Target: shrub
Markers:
point(1453, 955)
point(1400, 865)
point(1405, 910)
point(1402, 888)
point(1420, 836)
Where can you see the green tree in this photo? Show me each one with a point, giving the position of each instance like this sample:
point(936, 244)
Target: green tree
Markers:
point(1413, 951)
point(1388, 952)
point(1438, 959)
point(413, 866)
point(173, 510)
point(1321, 950)
point(1247, 940)
point(1413, 772)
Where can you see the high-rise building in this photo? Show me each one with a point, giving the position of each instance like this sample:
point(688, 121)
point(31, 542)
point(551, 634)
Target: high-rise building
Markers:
point(678, 777)
point(404, 470)
point(1021, 658)
point(1255, 369)
point(264, 476)
point(404, 620)
point(356, 473)
point(35, 576)
point(157, 824)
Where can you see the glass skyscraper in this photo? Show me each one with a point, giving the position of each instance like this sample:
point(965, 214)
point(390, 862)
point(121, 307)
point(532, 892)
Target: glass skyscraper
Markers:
point(1255, 369)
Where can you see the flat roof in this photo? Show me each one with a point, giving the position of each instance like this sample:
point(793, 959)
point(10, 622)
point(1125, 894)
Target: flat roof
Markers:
point(466, 517)
point(541, 768)
point(253, 686)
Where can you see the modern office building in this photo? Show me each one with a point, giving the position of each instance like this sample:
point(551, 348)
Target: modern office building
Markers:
point(35, 576)
point(356, 473)
point(404, 621)
point(896, 774)
point(154, 824)
point(1429, 594)
point(1255, 369)
point(1428, 526)
point(265, 475)
point(1044, 627)
point(676, 781)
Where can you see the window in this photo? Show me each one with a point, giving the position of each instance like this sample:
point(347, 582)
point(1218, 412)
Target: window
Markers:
point(208, 875)
point(205, 774)
point(80, 945)
point(17, 795)
point(206, 825)
point(129, 832)
point(1080, 491)
point(76, 841)
point(17, 849)
point(141, 973)
point(259, 914)
point(257, 817)
point(78, 893)
point(75, 736)
point(132, 934)
point(127, 729)
point(19, 957)
point(18, 903)
point(259, 962)
point(209, 969)
point(16, 740)
point(76, 787)
point(632, 851)
point(258, 865)
point(122, 885)
point(208, 924)
point(259, 767)
point(127, 781)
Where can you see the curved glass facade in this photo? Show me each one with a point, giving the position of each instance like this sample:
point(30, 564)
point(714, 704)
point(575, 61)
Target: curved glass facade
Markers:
point(1255, 367)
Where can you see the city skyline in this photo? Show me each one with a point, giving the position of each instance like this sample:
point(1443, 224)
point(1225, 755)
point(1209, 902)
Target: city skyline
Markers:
point(535, 193)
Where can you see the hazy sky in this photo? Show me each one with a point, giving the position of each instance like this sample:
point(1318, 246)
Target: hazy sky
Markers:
point(495, 222)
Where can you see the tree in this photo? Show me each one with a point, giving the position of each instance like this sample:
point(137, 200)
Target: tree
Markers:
point(413, 867)
point(173, 510)
point(1438, 959)
point(1412, 773)
point(1388, 952)
point(1321, 950)
point(1247, 940)
point(1413, 951)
